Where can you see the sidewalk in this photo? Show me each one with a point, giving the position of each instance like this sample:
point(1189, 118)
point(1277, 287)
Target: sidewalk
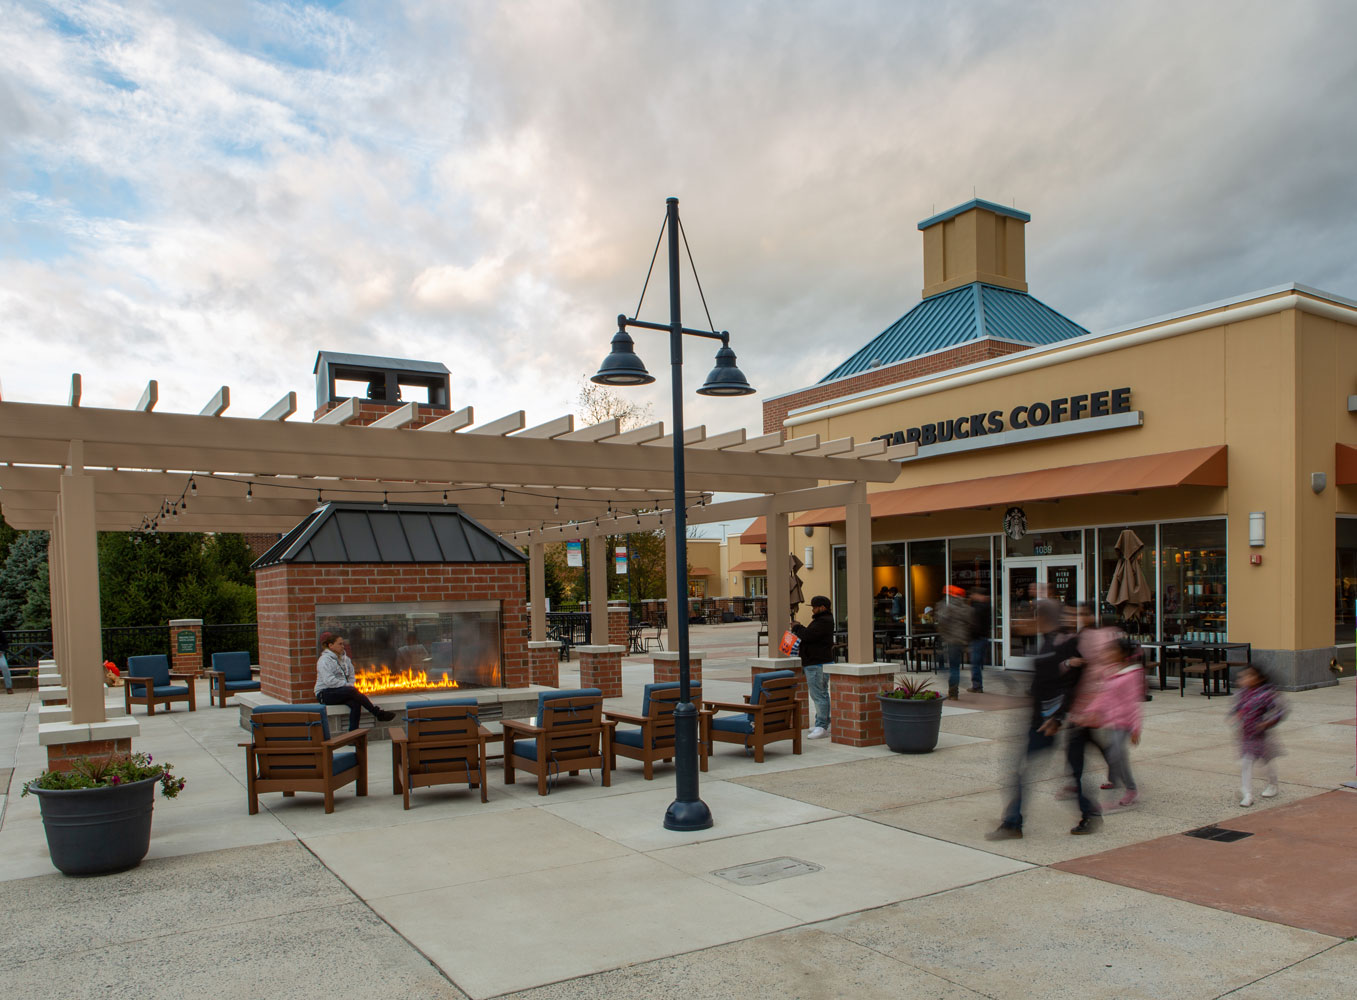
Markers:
point(582, 893)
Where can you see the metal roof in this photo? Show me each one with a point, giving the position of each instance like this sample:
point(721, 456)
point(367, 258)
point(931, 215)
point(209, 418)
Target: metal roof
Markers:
point(375, 361)
point(396, 533)
point(972, 312)
point(990, 206)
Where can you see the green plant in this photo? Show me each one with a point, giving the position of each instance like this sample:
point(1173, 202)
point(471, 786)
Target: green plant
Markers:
point(913, 689)
point(115, 769)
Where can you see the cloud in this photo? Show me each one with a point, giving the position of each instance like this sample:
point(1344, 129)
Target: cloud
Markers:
point(213, 192)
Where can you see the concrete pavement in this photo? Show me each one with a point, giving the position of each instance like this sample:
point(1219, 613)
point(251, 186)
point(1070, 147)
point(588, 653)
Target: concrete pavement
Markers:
point(583, 894)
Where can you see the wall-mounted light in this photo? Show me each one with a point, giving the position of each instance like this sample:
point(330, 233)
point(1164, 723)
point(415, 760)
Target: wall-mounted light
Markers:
point(809, 560)
point(808, 530)
point(1318, 481)
point(1257, 528)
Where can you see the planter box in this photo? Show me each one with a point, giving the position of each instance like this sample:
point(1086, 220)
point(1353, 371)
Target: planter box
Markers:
point(98, 831)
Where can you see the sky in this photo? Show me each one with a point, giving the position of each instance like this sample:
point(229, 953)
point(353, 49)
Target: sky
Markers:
point(207, 192)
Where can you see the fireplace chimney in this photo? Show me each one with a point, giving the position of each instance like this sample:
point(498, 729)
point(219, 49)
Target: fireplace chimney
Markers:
point(383, 384)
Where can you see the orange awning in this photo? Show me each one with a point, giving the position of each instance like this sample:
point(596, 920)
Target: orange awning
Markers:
point(752, 566)
point(756, 533)
point(1345, 470)
point(700, 571)
point(1193, 467)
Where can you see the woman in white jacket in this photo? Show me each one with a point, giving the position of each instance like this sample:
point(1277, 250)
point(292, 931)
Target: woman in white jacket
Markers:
point(334, 681)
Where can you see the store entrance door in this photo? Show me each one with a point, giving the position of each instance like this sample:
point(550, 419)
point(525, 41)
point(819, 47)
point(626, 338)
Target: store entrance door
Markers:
point(1026, 581)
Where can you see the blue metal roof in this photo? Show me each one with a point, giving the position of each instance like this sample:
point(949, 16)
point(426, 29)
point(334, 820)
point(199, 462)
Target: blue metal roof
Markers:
point(972, 312)
point(991, 206)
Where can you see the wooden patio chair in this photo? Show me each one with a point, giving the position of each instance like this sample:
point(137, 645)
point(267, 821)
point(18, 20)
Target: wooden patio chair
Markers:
point(231, 673)
point(293, 751)
point(654, 738)
point(571, 735)
point(443, 743)
point(146, 681)
point(770, 713)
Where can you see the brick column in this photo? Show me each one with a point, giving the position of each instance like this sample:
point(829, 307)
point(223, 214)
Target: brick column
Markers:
point(67, 742)
point(186, 633)
point(854, 710)
point(619, 618)
point(601, 667)
point(544, 664)
point(767, 664)
point(667, 666)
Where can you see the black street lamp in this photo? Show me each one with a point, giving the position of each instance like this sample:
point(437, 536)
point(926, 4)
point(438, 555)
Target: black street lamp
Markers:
point(621, 368)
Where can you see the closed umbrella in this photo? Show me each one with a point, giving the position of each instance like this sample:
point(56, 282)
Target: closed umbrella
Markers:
point(1129, 591)
point(797, 596)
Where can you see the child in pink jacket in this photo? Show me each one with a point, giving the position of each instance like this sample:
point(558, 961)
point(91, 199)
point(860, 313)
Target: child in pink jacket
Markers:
point(1116, 711)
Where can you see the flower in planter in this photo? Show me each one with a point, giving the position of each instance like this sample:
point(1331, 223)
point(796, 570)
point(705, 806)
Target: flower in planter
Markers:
point(913, 689)
point(115, 769)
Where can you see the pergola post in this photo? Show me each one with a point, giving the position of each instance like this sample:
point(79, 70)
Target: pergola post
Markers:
point(598, 589)
point(674, 603)
point(779, 575)
point(537, 588)
point(79, 624)
point(858, 525)
point(58, 598)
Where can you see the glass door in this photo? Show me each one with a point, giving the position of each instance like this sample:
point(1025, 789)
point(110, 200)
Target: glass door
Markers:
point(1027, 583)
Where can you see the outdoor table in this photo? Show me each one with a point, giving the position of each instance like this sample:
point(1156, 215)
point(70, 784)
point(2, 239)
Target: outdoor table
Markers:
point(1210, 652)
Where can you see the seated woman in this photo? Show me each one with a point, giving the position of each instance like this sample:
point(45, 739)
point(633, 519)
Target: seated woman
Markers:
point(334, 681)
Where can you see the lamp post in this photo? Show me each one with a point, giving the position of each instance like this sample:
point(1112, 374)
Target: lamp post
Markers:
point(623, 368)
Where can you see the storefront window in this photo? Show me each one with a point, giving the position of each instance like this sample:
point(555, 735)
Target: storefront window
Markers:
point(927, 577)
point(756, 586)
point(972, 569)
point(1142, 627)
point(840, 595)
point(1345, 583)
point(888, 580)
point(1192, 580)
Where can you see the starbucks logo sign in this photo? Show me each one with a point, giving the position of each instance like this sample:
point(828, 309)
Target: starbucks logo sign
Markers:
point(1015, 523)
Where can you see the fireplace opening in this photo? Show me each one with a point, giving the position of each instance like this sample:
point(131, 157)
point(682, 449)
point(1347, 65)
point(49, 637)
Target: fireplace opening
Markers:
point(419, 645)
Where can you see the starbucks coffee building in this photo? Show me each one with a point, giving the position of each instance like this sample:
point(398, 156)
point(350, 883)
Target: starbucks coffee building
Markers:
point(1224, 437)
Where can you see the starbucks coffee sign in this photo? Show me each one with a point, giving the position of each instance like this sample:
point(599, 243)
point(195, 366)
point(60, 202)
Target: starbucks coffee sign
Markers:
point(1102, 409)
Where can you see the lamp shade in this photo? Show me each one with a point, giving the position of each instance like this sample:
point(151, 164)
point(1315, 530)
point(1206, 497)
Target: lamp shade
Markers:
point(726, 379)
point(622, 366)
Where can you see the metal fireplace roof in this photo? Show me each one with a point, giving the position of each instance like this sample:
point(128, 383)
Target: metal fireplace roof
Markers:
point(342, 532)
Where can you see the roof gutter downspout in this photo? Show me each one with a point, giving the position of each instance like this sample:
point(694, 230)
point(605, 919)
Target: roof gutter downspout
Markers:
point(1047, 358)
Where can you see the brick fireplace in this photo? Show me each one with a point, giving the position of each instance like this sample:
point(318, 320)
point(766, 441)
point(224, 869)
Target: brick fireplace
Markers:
point(430, 600)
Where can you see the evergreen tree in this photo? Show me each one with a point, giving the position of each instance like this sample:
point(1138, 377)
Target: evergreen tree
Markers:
point(26, 559)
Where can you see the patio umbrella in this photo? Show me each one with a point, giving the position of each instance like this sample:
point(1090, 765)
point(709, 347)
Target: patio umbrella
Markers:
point(797, 596)
point(1129, 591)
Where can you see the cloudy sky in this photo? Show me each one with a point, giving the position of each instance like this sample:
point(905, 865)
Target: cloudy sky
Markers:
point(208, 192)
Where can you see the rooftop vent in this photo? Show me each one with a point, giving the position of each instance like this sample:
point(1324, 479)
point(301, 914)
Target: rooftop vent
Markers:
point(385, 378)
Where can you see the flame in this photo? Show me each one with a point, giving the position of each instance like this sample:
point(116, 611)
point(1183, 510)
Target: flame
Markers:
point(382, 680)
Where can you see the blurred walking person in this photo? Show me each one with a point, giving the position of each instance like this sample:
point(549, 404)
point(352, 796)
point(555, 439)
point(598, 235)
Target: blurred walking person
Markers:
point(954, 629)
point(980, 630)
point(1257, 710)
point(1117, 709)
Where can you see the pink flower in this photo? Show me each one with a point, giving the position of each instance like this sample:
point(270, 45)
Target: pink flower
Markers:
point(115, 780)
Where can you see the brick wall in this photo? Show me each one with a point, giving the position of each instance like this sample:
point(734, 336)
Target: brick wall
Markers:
point(186, 663)
point(288, 595)
point(855, 710)
point(775, 410)
point(602, 670)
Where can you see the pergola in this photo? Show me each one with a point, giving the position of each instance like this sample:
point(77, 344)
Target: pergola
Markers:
point(78, 470)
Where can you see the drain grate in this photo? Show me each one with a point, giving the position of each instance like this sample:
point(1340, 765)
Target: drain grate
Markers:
point(759, 872)
point(1218, 833)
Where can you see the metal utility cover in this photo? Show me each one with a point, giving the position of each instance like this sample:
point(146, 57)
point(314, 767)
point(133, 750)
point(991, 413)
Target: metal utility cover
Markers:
point(759, 872)
point(1218, 833)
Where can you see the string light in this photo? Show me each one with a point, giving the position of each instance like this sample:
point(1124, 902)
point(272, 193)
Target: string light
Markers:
point(558, 505)
point(501, 498)
point(384, 504)
point(320, 498)
point(249, 492)
point(193, 486)
point(445, 498)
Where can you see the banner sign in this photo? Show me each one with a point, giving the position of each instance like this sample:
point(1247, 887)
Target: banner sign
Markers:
point(574, 553)
point(620, 555)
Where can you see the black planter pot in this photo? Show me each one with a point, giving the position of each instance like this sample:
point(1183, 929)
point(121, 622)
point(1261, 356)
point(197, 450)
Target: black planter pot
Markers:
point(98, 831)
point(910, 726)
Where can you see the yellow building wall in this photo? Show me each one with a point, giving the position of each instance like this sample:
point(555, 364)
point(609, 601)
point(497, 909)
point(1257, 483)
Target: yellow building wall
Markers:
point(1272, 388)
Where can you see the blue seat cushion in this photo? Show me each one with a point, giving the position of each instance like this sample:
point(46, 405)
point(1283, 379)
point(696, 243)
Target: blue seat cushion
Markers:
point(547, 696)
point(242, 685)
point(525, 748)
point(265, 710)
point(344, 760)
point(155, 666)
point(161, 690)
point(741, 724)
point(630, 737)
point(233, 666)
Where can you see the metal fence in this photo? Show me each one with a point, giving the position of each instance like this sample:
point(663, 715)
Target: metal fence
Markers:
point(135, 640)
point(230, 639)
point(27, 646)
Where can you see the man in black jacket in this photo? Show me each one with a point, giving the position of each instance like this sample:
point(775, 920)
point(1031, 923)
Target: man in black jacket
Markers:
point(817, 649)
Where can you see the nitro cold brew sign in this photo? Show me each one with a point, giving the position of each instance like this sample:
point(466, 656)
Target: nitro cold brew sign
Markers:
point(1100, 410)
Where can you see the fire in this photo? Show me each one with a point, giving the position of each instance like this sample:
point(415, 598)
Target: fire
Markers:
point(382, 680)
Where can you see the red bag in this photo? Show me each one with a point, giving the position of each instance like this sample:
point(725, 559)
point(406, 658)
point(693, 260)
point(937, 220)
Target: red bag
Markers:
point(790, 644)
